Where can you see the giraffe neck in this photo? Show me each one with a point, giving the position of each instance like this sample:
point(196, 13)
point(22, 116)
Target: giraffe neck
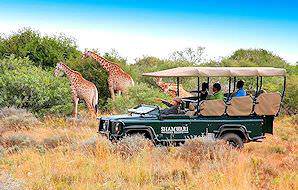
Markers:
point(69, 72)
point(102, 61)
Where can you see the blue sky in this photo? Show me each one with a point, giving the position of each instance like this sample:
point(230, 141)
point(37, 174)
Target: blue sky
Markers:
point(137, 28)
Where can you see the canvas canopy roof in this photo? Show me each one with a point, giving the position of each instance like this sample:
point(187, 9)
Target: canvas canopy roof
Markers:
point(218, 71)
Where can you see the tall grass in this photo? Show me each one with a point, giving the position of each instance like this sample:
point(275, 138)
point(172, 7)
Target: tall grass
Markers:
point(64, 154)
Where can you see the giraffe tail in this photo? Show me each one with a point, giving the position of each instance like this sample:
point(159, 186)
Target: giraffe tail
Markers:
point(95, 100)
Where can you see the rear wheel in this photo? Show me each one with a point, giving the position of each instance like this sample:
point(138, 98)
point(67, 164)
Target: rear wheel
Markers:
point(233, 140)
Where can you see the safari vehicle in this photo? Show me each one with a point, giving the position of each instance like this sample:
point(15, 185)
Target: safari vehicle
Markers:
point(237, 120)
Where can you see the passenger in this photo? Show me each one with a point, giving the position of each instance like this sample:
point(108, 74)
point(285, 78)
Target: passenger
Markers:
point(240, 92)
point(173, 106)
point(204, 91)
point(217, 92)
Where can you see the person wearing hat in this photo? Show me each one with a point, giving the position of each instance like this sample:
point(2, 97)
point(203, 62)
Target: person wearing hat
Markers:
point(217, 92)
point(173, 106)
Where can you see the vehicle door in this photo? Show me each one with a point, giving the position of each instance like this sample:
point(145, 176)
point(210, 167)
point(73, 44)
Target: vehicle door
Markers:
point(174, 127)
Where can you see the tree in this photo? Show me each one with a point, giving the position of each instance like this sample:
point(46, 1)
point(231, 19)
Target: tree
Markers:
point(44, 51)
point(191, 55)
point(254, 57)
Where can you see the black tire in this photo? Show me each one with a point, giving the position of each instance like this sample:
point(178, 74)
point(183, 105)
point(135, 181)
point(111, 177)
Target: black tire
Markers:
point(233, 140)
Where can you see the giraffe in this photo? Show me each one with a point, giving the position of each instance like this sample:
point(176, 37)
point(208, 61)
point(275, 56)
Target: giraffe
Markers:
point(80, 88)
point(118, 80)
point(171, 88)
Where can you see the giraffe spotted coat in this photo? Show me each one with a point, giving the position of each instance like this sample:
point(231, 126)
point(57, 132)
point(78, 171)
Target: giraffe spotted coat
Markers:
point(80, 88)
point(118, 80)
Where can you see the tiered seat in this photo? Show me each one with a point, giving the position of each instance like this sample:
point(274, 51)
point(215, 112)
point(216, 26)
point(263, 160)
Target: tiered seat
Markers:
point(240, 106)
point(268, 104)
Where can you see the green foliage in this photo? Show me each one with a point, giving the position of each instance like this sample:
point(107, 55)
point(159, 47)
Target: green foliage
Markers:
point(151, 64)
point(291, 99)
point(43, 51)
point(26, 86)
point(139, 94)
point(253, 57)
point(192, 55)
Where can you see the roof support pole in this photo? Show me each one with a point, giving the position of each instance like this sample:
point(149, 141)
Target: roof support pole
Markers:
point(198, 89)
point(261, 83)
point(256, 93)
point(229, 95)
point(178, 86)
point(208, 81)
point(284, 89)
point(234, 87)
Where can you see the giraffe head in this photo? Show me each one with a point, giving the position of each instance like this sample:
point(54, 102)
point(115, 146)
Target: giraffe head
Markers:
point(58, 68)
point(87, 54)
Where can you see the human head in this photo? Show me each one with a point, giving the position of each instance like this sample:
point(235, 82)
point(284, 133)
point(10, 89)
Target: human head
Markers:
point(216, 87)
point(240, 84)
point(205, 86)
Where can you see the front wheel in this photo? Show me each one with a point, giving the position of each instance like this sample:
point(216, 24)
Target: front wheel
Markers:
point(233, 140)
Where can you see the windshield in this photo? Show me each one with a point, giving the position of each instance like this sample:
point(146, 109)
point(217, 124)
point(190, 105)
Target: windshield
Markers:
point(142, 109)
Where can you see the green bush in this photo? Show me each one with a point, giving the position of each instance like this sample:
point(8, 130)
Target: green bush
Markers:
point(291, 98)
point(26, 86)
point(139, 94)
point(43, 51)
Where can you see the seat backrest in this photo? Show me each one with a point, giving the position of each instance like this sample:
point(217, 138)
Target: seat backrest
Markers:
point(268, 103)
point(240, 106)
point(212, 107)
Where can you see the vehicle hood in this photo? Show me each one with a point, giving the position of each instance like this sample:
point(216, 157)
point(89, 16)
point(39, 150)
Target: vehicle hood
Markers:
point(127, 117)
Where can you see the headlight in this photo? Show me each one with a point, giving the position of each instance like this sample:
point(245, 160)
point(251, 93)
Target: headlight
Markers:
point(117, 127)
point(105, 125)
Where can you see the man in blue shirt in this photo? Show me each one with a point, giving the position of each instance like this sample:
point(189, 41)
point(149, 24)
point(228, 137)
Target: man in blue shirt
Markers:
point(240, 92)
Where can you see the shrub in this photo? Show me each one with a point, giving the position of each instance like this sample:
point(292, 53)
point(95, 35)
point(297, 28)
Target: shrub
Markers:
point(55, 141)
point(43, 51)
point(291, 98)
point(202, 148)
point(19, 140)
point(139, 94)
point(13, 118)
point(29, 87)
point(132, 145)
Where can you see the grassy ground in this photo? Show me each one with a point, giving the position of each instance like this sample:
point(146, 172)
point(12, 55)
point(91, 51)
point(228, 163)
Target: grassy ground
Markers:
point(62, 154)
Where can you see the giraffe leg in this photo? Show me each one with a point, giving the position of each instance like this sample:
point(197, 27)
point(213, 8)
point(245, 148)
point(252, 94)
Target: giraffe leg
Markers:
point(112, 92)
point(90, 108)
point(75, 107)
point(119, 93)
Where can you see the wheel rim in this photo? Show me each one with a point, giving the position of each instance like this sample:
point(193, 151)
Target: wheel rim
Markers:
point(232, 143)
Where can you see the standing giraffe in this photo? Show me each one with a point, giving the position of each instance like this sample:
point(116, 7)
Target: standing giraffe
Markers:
point(118, 80)
point(171, 88)
point(80, 88)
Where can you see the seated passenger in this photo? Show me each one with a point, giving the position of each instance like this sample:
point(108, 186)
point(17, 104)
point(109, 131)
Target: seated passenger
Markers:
point(174, 106)
point(217, 92)
point(240, 92)
point(204, 91)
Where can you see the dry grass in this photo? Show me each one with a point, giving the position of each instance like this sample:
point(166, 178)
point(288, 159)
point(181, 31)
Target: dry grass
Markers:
point(60, 153)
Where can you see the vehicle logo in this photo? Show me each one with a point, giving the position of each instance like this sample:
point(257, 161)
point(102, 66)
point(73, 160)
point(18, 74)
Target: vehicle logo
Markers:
point(175, 130)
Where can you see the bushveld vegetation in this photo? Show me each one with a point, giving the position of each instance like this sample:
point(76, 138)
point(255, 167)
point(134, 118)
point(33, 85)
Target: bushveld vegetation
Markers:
point(41, 149)
point(39, 54)
point(62, 154)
